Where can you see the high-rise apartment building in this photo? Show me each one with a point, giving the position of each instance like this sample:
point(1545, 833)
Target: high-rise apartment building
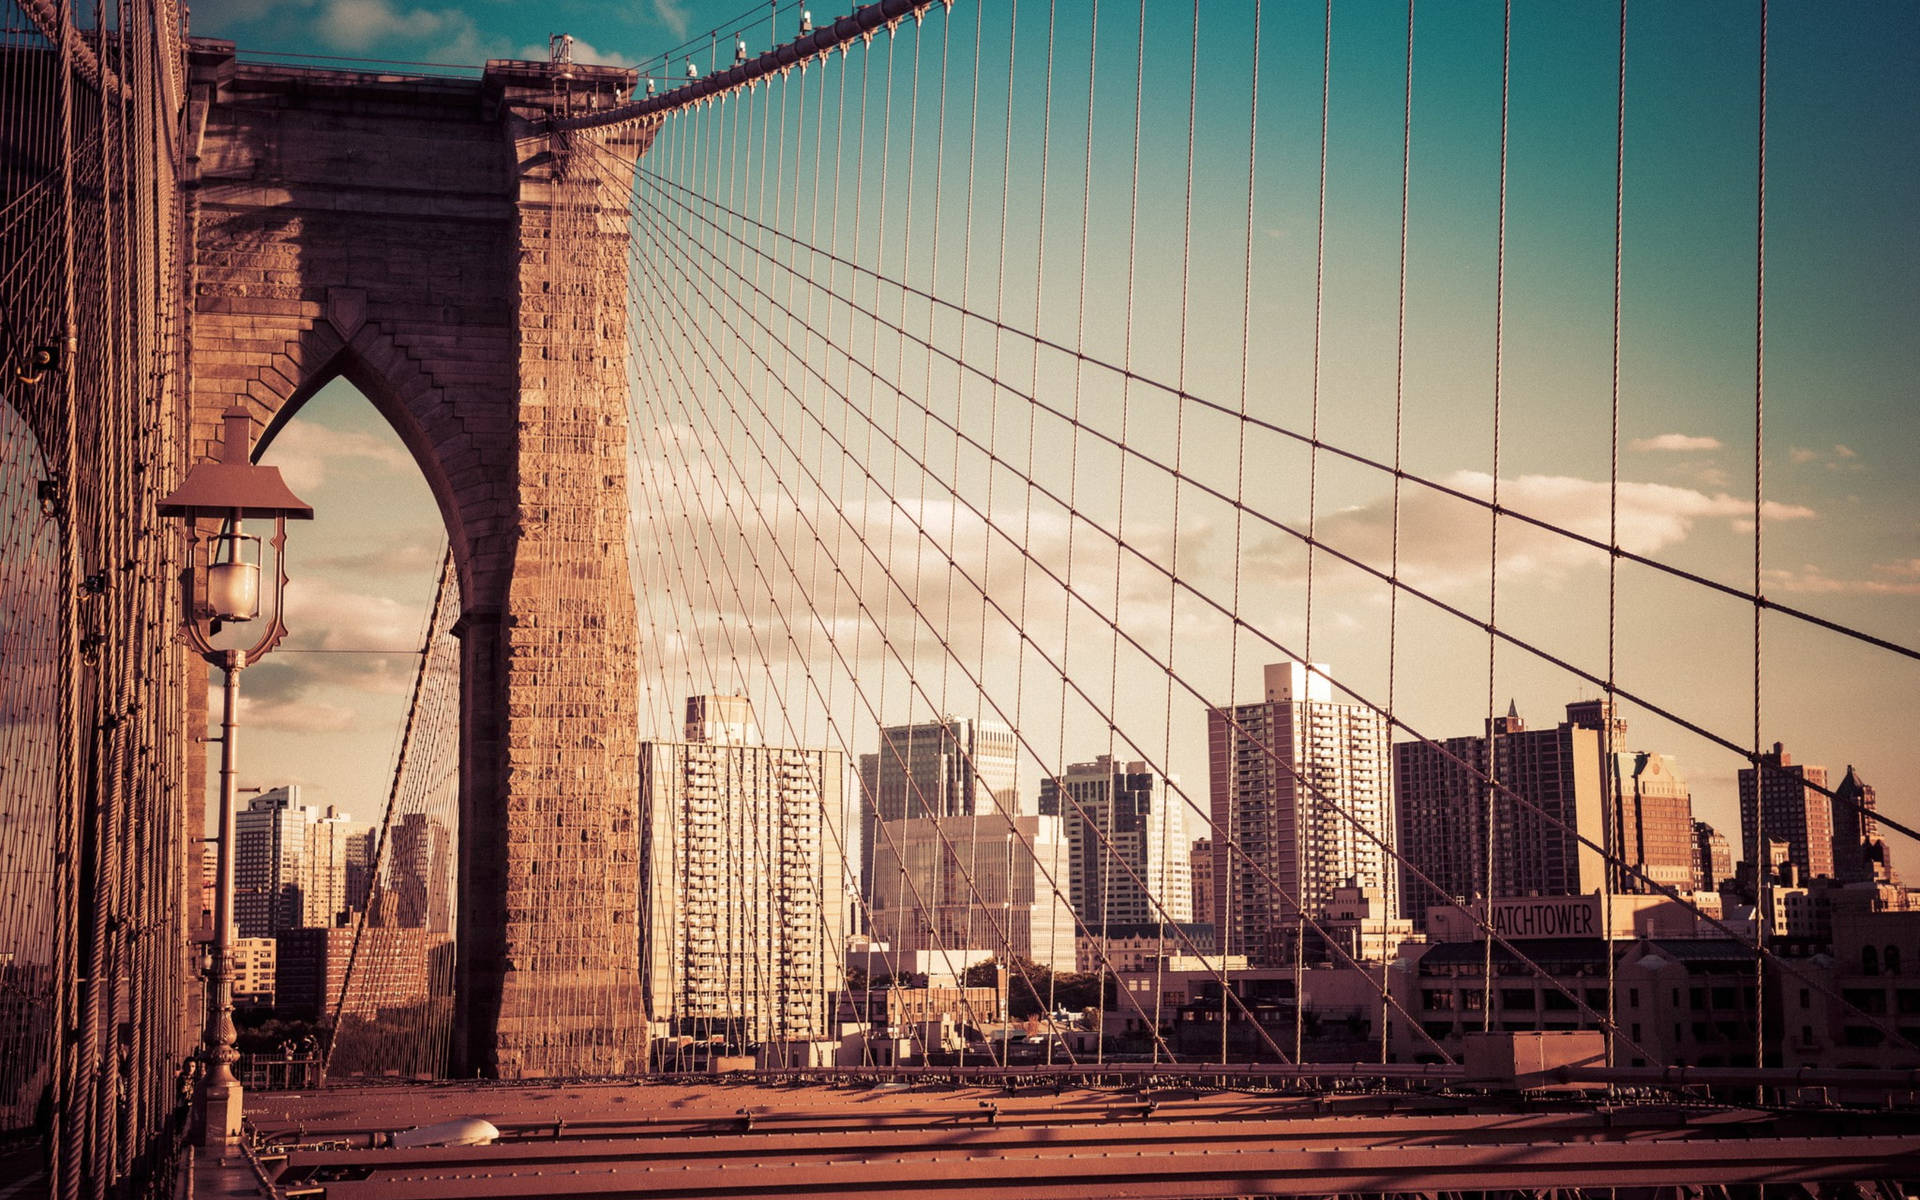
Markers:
point(1124, 843)
point(1712, 857)
point(1554, 795)
point(1784, 797)
point(1859, 853)
point(956, 766)
point(943, 884)
point(290, 864)
point(314, 968)
point(742, 882)
point(1303, 786)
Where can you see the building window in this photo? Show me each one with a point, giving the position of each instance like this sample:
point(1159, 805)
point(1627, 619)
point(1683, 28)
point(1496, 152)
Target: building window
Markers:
point(1869, 961)
point(1806, 998)
point(1891, 956)
point(1633, 1001)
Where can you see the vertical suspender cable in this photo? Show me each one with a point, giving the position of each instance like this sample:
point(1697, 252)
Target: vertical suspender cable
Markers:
point(1495, 741)
point(1763, 914)
point(1304, 711)
point(1399, 428)
point(1613, 511)
point(69, 1126)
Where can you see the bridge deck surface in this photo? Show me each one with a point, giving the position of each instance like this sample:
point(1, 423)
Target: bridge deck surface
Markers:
point(752, 1139)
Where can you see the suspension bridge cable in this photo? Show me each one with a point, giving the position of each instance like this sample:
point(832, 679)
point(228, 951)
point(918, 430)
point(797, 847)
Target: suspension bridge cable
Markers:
point(1053, 882)
point(1744, 750)
point(971, 884)
point(912, 885)
point(1228, 845)
point(1306, 438)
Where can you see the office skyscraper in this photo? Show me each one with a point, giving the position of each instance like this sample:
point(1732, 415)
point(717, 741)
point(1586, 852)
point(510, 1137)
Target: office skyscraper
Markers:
point(1200, 860)
point(1785, 793)
point(953, 767)
point(1566, 791)
point(1653, 828)
point(742, 882)
point(291, 863)
point(1859, 853)
point(1126, 844)
point(1712, 857)
point(1303, 785)
point(420, 877)
point(338, 845)
point(952, 883)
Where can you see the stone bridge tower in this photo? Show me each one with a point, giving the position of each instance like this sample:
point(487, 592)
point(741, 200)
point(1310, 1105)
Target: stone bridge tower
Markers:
point(427, 240)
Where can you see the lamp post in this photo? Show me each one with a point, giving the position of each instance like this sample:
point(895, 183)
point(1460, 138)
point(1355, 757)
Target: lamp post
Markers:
point(220, 587)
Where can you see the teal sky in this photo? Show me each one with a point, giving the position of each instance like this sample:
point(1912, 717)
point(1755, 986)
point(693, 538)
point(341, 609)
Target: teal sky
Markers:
point(1842, 526)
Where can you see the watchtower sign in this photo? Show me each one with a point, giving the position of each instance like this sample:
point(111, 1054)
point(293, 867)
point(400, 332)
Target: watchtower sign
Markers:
point(1519, 919)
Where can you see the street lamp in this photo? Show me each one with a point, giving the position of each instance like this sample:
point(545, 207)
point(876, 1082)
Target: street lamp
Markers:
point(220, 587)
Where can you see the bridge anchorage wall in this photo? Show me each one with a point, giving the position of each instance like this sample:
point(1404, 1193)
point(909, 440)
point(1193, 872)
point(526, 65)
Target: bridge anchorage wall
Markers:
point(430, 242)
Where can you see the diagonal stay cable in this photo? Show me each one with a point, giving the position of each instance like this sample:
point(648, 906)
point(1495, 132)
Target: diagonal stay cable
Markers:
point(1657, 887)
point(873, 711)
point(1120, 371)
point(1392, 579)
point(897, 585)
point(1228, 842)
point(793, 570)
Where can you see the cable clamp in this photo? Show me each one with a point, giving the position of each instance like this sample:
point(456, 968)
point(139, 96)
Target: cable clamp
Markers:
point(52, 493)
point(40, 360)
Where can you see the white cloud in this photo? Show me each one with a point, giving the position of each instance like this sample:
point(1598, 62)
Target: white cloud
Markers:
point(304, 450)
point(1840, 458)
point(1677, 442)
point(583, 52)
point(295, 716)
point(392, 560)
point(445, 35)
point(672, 14)
point(328, 617)
point(1444, 541)
point(1888, 579)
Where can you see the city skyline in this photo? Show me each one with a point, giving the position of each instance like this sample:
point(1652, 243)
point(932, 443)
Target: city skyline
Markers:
point(1840, 535)
point(828, 549)
point(328, 706)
